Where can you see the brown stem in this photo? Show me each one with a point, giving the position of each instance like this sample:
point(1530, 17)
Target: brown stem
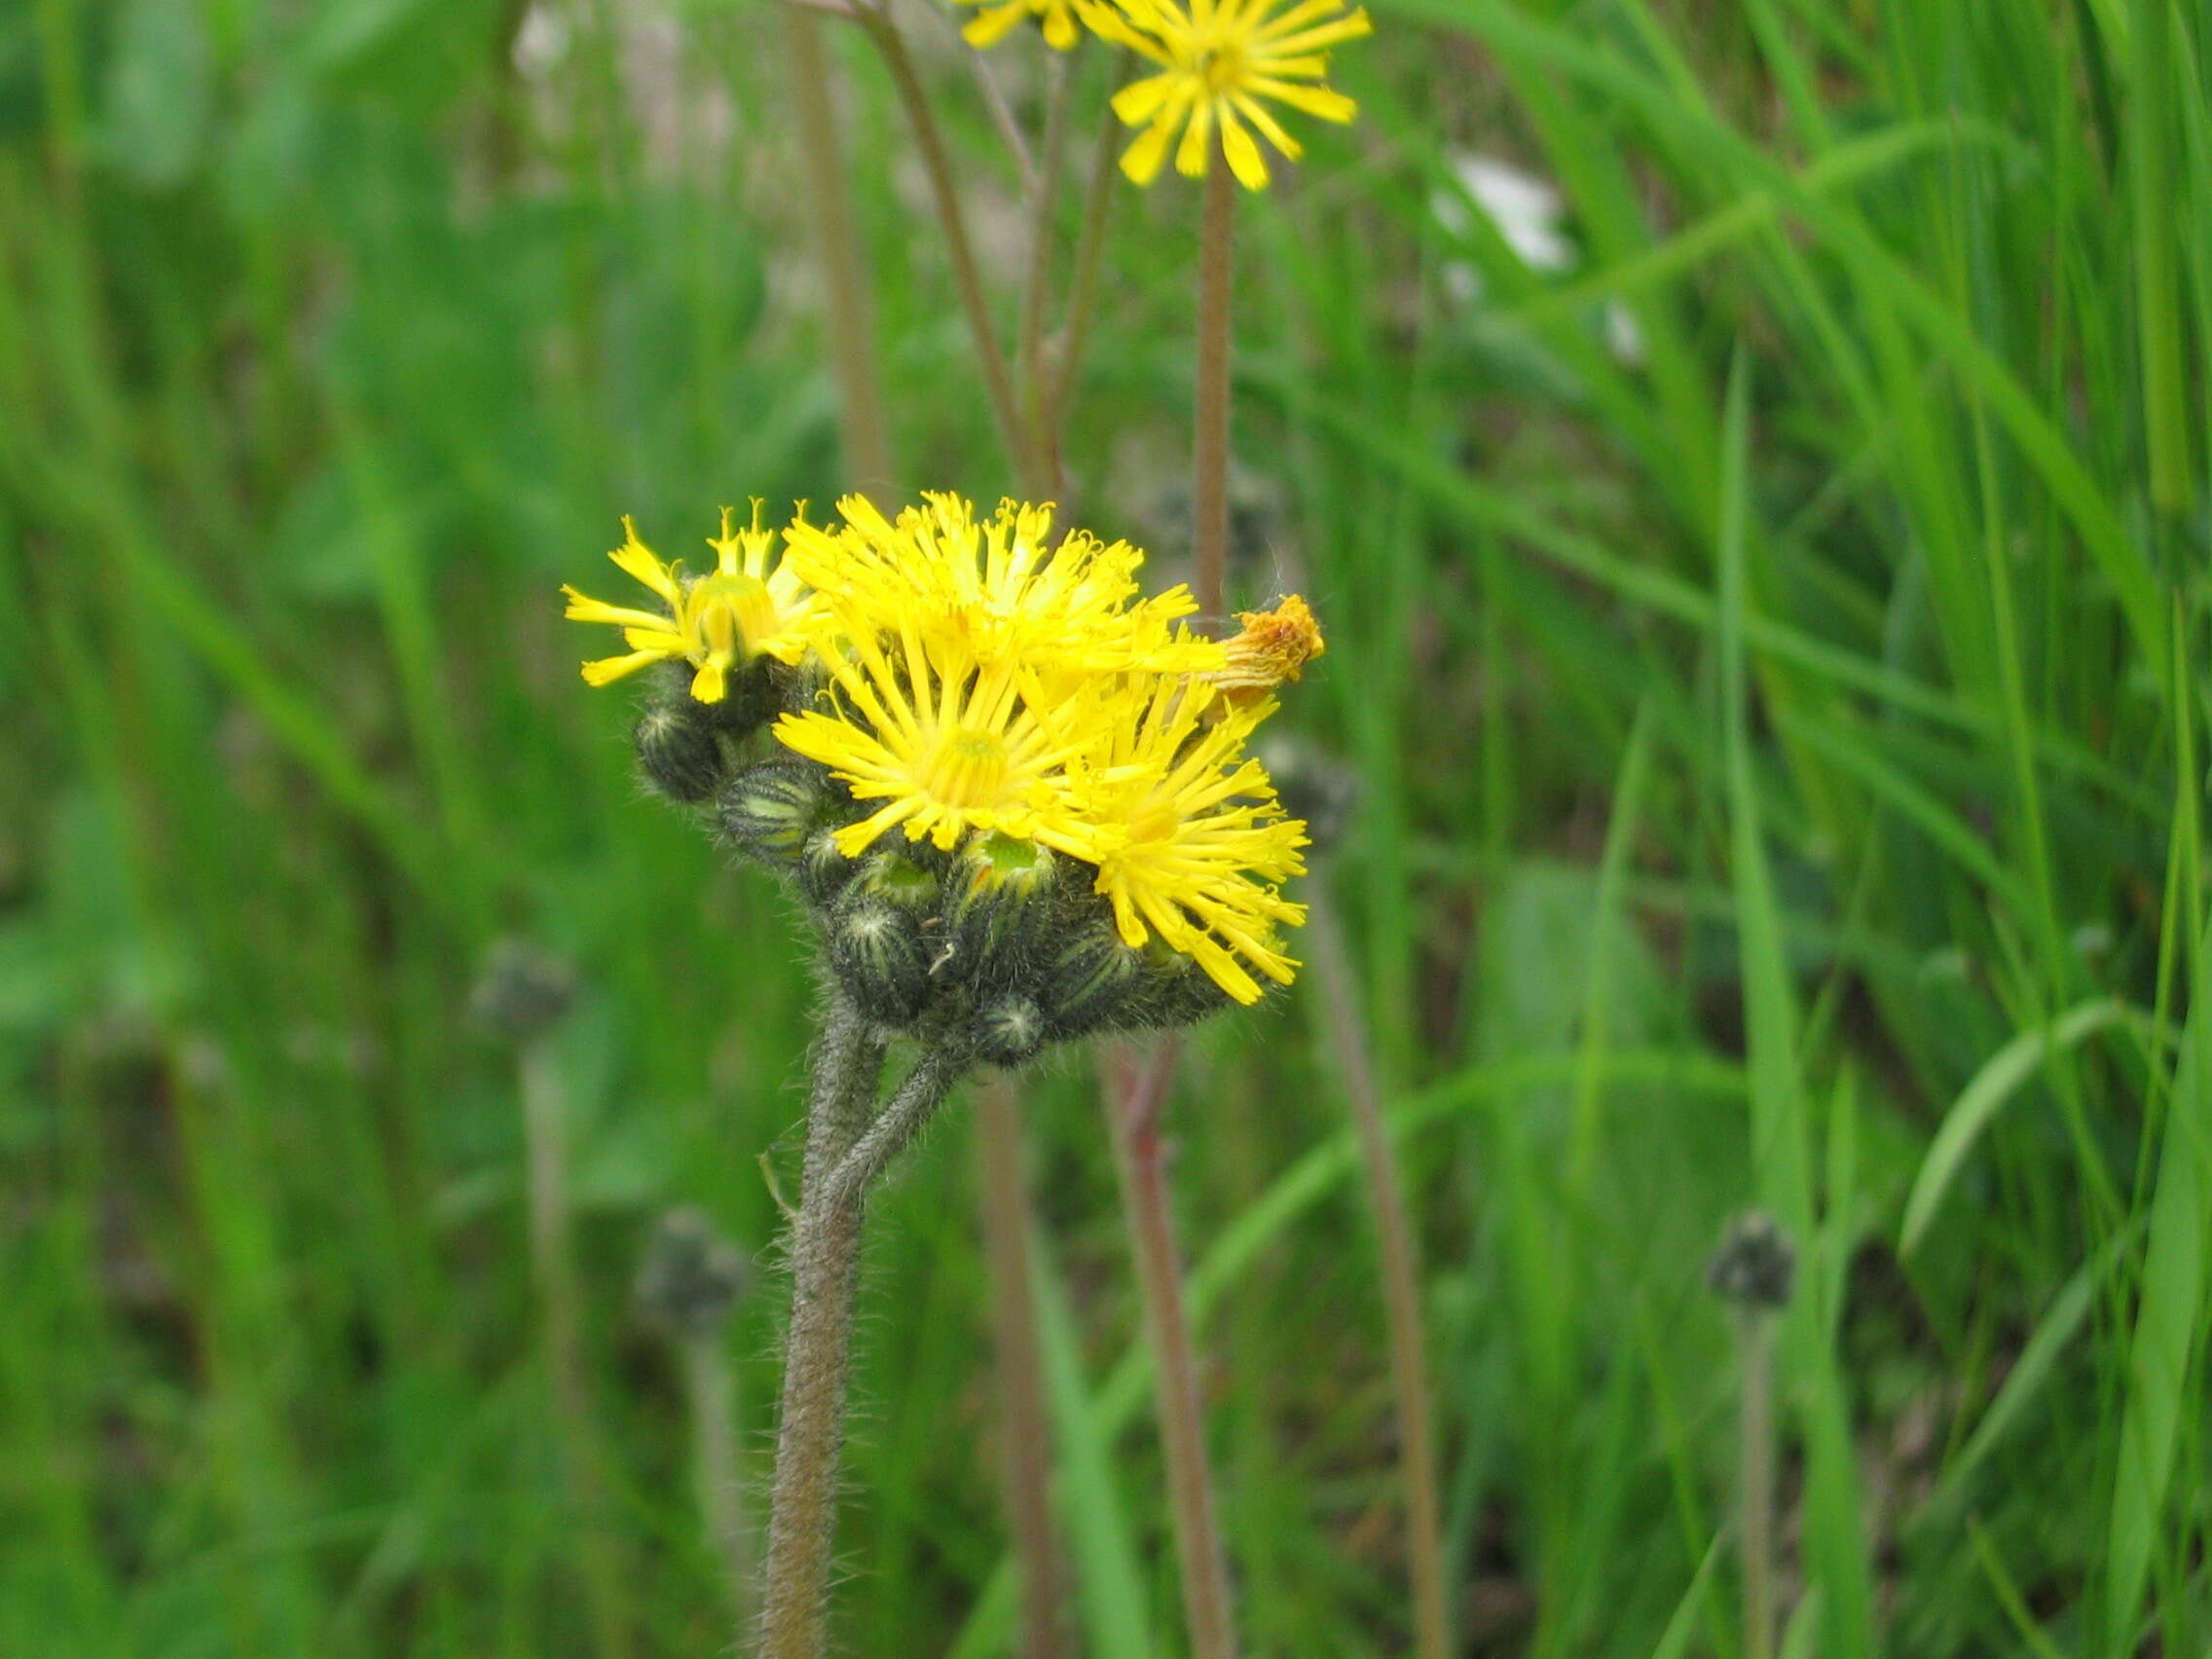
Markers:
point(944, 192)
point(844, 278)
point(824, 1258)
point(553, 1266)
point(1044, 199)
point(1331, 958)
point(1024, 1435)
point(1210, 450)
point(1083, 297)
point(1134, 1095)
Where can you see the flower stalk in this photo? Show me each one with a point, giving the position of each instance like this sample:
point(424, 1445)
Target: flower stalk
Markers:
point(1135, 1092)
point(1209, 454)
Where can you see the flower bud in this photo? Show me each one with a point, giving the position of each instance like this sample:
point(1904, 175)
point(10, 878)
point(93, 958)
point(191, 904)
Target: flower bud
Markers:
point(690, 1275)
point(1171, 991)
point(1009, 1030)
point(1091, 979)
point(879, 952)
point(771, 809)
point(1756, 1265)
point(678, 751)
point(521, 992)
point(898, 881)
point(751, 697)
point(1004, 903)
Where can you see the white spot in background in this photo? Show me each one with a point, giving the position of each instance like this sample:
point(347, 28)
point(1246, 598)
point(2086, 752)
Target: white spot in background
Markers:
point(541, 41)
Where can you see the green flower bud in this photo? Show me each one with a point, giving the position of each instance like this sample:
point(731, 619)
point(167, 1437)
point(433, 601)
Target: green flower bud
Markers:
point(823, 870)
point(1172, 990)
point(678, 751)
point(1009, 1031)
point(772, 808)
point(899, 881)
point(1005, 902)
point(1091, 979)
point(878, 951)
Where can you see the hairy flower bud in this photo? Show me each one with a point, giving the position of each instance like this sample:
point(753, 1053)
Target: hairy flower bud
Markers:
point(690, 1275)
point(879, 952)
point(825, 868)
point(678, 751)
point(1091, 979)
point(771, 809)
point(898, 881)
point(1003, 905)
point(1009, 1030)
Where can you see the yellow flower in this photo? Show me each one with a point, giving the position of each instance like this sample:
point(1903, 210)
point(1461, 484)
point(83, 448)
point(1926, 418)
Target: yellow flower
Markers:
point(1001, 591)
point(716, 622)
point(990, 25)
point(1188, 837)
point(948, 743)
point(1275, 645)
point(1218, 59)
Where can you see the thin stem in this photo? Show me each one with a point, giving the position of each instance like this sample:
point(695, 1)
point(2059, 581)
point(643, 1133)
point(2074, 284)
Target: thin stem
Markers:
point(1756, 1519)
point(860, 423)
point(1135, 1096)
point(553, 1266)
point(1083, 297)
point(824, 1258)
point(1209, 451)
point(707, 1387)
point(1022, 1433)
point(1333, 976)
point(998, 384)
point(1044, 198)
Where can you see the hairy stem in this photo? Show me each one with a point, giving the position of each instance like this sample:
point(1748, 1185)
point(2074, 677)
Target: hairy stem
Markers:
point(1209, 451)
point(715, 1473)
point(544, 1107)
point(861, 424)
point(944, 192)
point(1757, 1470)
point(1023, 1437)
point(825, 1260)
point(1134, 1095)
point(1337, 984)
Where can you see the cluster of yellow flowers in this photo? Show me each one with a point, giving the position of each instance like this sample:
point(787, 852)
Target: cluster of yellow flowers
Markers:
point(1215, 61)
point(982, 677)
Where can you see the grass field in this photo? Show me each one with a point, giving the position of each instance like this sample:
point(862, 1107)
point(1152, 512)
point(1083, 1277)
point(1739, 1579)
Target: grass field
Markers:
point(1770, 632)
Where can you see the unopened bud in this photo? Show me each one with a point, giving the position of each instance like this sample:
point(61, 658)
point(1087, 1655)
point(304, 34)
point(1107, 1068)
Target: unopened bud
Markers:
point(878, 950)
point(1009, 1030)
point(678, 751)
point(771, 809)
point(1003, 905)
point(521, 991)
point(690, 1275)
point(1757, 1265)
point(1172, 991)
point(1091, 979)
point(898, 881)
point(824, 867)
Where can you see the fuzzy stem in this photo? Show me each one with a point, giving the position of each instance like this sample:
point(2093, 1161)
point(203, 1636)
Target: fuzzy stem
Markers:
point(1757, 1470)
point(547, 1146)
point(1044, 198)
point(844, 278)
point(1338, 985)
point(944, 192)
point(1024, 1435)
point(1135, 1096)
point(1209, 451)
point(1083, 297)
point(825, 1259)
point(707, 1385)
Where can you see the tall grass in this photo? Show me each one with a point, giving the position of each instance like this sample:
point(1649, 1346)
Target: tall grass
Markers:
point(1784, 756)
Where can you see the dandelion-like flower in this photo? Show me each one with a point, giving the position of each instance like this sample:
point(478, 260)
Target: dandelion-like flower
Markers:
point(716, 622)
point(1001, 590)
point(1188, 837)
point(948, 744)
point(1220, 62)
point(997, 18)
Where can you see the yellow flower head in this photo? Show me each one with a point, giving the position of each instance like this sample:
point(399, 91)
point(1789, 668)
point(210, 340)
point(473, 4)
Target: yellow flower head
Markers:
point(948, 744)
point(1188, 837)
point(1275, 645)
point(1218, 59)
point(991, 24)
point(1001, 590)
point(715, 622)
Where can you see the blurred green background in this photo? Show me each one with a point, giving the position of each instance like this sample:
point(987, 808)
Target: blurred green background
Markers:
point(1750, 461)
